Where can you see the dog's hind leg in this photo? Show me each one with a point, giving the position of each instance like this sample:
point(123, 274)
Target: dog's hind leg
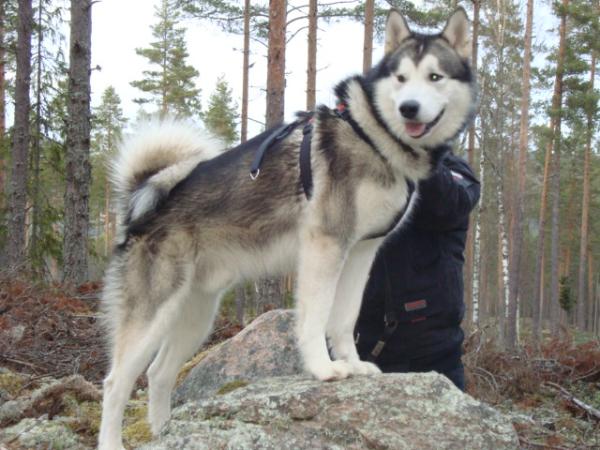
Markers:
point(346, 307)
point(135, 342)
point(183, 339)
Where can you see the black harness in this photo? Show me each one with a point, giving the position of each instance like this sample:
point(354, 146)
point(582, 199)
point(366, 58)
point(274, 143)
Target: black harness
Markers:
point(280, 133)
point(306, 178)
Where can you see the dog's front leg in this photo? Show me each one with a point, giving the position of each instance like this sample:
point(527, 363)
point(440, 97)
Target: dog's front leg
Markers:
point(321, 259)
point(348, 298)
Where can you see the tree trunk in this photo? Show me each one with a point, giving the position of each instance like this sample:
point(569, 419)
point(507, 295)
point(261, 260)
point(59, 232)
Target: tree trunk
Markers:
point(240, 303)
point(585, 210)
point(2, 99)
point(37, 147)
point(538, 285)
point(20, 148)
point(557, 109)
point(368, 36)
point(270, 290)
point(590, 291)
point(276, 63)
point(77, 157)
point(504, 255)
point(246, 72)
point(107, 235)
point(471, 259)
point(311, 67)
point(519, 197)
point(477, 267)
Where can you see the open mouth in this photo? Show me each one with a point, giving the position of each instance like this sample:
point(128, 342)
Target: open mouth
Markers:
point(417, 130)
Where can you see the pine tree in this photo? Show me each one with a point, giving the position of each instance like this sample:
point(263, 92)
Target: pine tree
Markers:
point(108, 123)
point(170, 84)
point(20, 147)
point(48, 70)
point(556, 112)
point(276, 62)
point(221, 116)
point(77, 158)
point(582, 101)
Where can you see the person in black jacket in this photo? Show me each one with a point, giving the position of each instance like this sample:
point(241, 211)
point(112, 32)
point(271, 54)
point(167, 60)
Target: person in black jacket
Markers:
point(413, 303)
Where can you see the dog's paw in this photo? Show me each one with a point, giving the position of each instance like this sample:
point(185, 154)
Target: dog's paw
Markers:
point(331, 371)
point(364, 368)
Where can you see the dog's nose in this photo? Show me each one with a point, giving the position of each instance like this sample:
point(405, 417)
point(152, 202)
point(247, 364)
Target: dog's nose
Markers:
point(409, 109)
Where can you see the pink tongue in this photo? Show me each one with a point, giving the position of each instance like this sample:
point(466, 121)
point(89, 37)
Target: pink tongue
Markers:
point(415, 129)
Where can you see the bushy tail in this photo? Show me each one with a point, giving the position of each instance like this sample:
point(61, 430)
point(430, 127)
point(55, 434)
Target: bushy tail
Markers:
point(152, 161)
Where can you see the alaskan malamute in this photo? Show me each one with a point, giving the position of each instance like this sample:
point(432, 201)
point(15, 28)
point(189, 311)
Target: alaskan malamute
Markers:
point(192, 221)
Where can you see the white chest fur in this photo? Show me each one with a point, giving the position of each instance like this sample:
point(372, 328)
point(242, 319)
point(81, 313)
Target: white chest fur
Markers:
point(377, 207)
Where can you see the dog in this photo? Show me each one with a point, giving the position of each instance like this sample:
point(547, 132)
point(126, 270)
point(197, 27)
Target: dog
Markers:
point(192, 222)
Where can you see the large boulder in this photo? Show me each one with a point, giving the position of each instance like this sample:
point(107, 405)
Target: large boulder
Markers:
point(250, 393)
point(389, 411)
point(265, 348)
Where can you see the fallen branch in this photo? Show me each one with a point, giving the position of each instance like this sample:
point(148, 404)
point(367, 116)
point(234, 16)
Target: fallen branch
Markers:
point(590, 410)
point(18, 361)
point(591, 373)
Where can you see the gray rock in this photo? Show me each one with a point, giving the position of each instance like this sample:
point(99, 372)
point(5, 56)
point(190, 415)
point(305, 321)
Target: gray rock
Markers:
point(389, 411)
point(265, 348)
point(42, 433)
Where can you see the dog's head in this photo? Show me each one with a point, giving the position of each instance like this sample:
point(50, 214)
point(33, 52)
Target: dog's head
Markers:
point(424, 89)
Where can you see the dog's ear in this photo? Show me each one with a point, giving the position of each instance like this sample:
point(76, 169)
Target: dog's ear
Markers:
point(458, 33)
point(396, 30)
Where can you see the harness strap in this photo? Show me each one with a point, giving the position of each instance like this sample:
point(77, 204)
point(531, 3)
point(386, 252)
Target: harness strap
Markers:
point(305, 163)
point(278, 134)
point(390, 319)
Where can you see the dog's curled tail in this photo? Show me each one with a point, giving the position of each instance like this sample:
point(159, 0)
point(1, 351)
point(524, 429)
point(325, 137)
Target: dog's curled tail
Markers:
point(153, 160)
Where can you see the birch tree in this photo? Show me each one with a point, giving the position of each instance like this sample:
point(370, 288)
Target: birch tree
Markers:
point(473, 244)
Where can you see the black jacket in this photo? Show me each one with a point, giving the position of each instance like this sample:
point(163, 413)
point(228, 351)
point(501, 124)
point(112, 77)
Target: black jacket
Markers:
point(419, 268)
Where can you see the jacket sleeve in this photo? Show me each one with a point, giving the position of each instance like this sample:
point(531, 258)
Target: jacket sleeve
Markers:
point(447, 197)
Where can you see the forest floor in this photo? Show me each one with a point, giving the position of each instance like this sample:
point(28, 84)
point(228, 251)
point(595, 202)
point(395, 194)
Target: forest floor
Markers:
point(551, 394)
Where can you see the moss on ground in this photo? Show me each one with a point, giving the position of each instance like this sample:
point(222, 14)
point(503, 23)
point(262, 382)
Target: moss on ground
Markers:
point(11, 383)
point(136, 429)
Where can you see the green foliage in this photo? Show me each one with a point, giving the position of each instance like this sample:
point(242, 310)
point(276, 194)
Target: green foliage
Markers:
point(170, 85)
point(221, 116)
point(566, 299)
point(107, 123)
point(430, 15)
point(228, 15)
point(48, 107)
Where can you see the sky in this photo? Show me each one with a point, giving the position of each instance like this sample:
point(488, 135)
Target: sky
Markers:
point(119, 27)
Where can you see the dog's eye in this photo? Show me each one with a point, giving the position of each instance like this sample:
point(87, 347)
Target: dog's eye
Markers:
point(435, 77)
point(401, 78)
